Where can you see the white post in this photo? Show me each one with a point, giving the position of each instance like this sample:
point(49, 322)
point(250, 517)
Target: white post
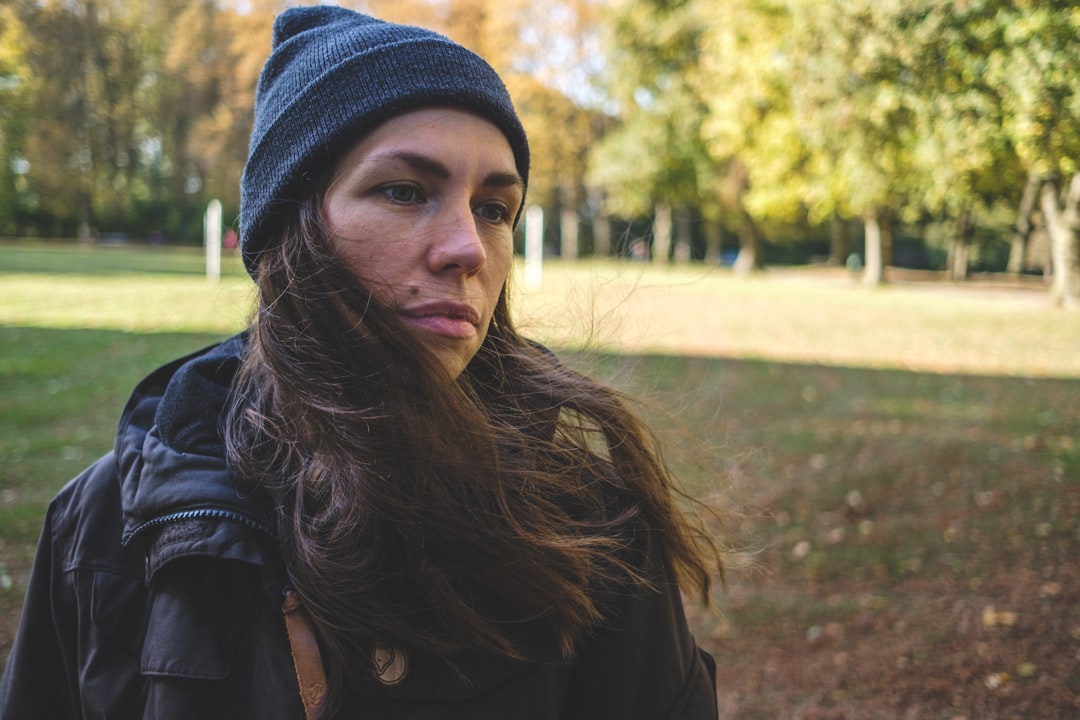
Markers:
point(212, 238)
point(534, 246)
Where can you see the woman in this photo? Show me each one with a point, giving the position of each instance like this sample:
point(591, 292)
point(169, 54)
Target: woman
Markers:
point(380, 501)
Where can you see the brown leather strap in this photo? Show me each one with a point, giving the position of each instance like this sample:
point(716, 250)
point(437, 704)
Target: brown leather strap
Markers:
point(305, 653)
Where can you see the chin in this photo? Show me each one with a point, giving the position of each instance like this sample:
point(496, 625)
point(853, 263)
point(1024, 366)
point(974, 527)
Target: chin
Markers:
point(453, 363)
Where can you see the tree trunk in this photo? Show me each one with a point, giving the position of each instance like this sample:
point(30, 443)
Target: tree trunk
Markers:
point(601, 228)
point(1063, 224)
point(662, 233)
point(683, 221)
point(85, 232)
point(958, 259)
point(839, 241)
point(874, 273)
point(714, 240)
point(568, 233)
point(749, 258)
point(958, 251)
point(887, 221)
point(1023, 223)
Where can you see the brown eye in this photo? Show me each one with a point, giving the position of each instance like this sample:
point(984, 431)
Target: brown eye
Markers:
point(402, 194)
point(493, 212)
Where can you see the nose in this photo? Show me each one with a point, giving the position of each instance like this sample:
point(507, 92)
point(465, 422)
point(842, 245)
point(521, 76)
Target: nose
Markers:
point(457, 245)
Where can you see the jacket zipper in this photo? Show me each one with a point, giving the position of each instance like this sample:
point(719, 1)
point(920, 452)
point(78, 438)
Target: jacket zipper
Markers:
point(202, 513)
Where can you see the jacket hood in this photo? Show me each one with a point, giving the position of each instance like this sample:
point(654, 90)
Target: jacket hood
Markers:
point(170, 454)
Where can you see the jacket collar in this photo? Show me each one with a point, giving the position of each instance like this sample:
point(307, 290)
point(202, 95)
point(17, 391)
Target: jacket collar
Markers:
point(177, 494)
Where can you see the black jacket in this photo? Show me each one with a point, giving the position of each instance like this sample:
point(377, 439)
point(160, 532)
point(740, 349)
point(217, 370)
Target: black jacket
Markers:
point(157, 588)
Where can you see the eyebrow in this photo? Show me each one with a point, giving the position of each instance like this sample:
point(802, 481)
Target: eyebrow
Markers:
point(425, 164)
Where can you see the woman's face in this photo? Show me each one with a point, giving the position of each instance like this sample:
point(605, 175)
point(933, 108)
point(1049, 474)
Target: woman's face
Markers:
point(421, 210)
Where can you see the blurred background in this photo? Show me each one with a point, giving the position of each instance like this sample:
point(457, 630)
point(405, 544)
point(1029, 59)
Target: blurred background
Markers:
point(922, 135)
point(830, 244)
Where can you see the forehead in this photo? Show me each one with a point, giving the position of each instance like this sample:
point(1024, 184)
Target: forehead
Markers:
point(448, 132)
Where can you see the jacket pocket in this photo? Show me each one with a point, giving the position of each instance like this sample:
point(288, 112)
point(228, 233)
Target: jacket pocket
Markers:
point(117, 609)
point(189, 631)
point(110, 684)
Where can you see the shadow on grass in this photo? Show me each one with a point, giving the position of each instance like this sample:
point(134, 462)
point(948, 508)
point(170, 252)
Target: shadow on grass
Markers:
point(914, 537)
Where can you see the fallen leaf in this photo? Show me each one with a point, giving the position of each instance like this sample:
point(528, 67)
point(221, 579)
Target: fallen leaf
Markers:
point(1050, 589)
point(992, 617)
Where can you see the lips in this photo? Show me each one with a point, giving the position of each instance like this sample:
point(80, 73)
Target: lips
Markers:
point(449, 319)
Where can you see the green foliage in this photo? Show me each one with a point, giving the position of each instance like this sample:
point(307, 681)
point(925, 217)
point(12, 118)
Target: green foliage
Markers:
point(913, 109)
point(128, 116)
point(15, 92)
point(655, 152)
point(745, 81)
point(1034, 69)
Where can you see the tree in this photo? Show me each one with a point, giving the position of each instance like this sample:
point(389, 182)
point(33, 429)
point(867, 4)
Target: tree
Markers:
point(854, 108)
point(963, 163)
point(861, 108)
point(745, 83)
point(83, 151)
point(655, 158)
point(141, 110)
point(205, 92)
point(895, 111)
point(552, 71)
point(15, 94)
point(1036, 74)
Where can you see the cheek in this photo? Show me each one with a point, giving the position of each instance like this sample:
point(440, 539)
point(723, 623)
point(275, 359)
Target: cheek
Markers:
point(374, 265)
point(501, 261)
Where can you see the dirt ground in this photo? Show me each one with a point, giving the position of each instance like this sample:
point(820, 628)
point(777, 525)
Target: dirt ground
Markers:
point(929, 570)
point(933, 651)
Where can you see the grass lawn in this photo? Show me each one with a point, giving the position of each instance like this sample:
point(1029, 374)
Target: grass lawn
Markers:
point(899, 468)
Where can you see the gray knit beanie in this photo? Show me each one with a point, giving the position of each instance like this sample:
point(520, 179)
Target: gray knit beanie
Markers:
point(335, 74)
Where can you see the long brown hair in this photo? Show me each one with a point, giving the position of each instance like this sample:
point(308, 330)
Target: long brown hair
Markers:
point(436, 513)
